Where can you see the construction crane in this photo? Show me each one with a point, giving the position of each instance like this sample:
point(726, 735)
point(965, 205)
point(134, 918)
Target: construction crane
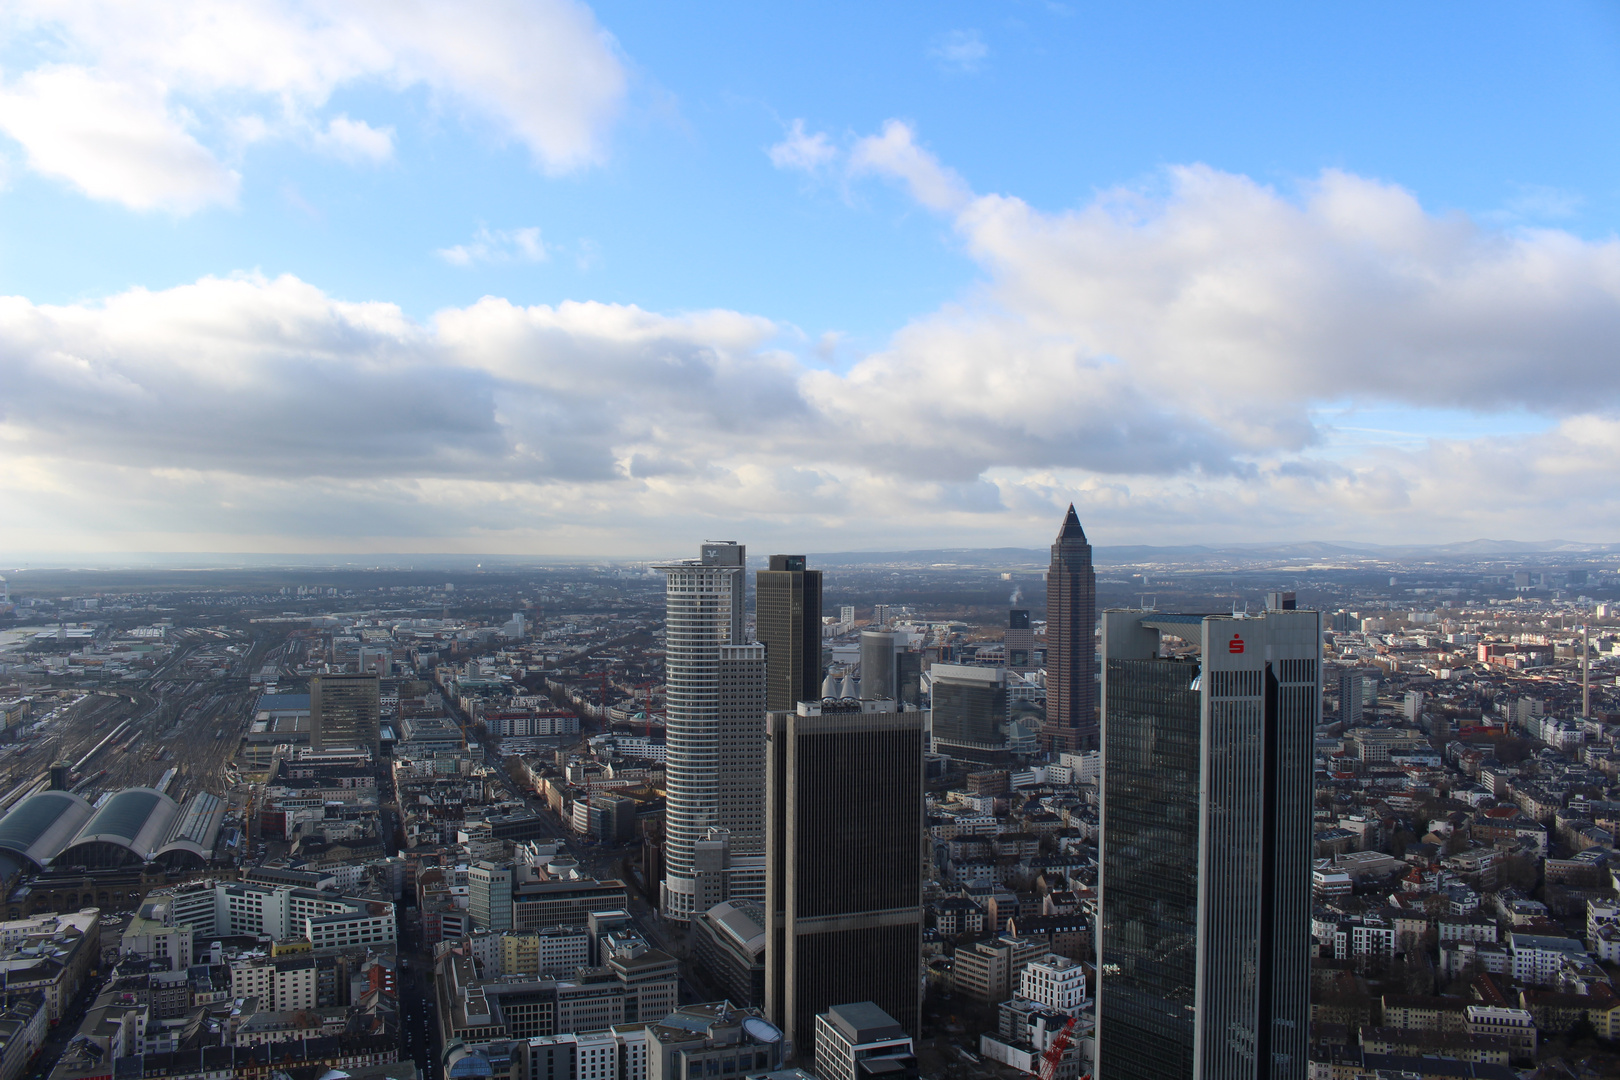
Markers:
point(1054, 1052)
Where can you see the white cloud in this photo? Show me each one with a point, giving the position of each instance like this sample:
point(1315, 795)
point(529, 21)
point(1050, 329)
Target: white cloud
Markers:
point(960, 51)
point(113, 139)
point(138, 104)
point(1162, 357)
point(895, 153)
point(356, 140)
point(497, 246)
point(801, 150)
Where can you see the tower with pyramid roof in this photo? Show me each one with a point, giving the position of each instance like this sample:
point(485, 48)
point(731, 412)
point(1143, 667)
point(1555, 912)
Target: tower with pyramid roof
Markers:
point(1071, 651)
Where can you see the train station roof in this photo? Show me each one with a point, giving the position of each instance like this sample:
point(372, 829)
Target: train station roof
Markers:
point(41, 825)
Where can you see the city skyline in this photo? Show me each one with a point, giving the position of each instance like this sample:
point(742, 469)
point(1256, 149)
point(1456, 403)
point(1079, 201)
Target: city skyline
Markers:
point(556, 279)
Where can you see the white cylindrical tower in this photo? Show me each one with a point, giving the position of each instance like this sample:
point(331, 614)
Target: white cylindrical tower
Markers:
point(703, 610)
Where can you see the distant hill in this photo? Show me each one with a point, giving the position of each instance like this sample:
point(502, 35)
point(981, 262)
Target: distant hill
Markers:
point(1200, 554)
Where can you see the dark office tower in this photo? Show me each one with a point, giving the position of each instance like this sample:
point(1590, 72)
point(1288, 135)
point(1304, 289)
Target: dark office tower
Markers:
point(1071, 652)
point(969, 712)
point(787, 619)
point(742, 747)
point(1204, 885)
point(843, 877)
point(344, 711)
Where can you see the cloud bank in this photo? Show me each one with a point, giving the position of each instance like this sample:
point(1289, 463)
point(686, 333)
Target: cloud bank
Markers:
point(1162, 355)
point(150, 105)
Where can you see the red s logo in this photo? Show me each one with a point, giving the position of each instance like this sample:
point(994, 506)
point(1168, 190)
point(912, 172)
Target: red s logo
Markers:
point(1235, 645)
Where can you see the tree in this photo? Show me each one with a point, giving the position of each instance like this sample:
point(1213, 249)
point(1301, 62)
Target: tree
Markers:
point(1518, 870)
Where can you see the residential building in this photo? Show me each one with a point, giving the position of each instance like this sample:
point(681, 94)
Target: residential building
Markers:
point(283, 913)
point(989, 971)
point(559, 949)
point(23, 1029)
point(1055, 982)
point(281, 984)
point(1538, 959)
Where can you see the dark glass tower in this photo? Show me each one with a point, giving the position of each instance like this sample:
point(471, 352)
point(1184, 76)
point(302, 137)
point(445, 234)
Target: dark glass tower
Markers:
point(1071, 652)
point(970, 712)
point(1204, 939)
point(843, 873)
point(787, 619)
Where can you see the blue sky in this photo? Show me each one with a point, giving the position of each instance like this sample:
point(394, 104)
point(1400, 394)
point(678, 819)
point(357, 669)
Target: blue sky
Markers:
point(586, 277)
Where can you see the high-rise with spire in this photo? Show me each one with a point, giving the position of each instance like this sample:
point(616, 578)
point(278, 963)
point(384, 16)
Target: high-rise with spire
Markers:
point(1071, 650)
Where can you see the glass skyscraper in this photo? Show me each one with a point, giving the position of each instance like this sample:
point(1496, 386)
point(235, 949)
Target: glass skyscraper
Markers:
point(787, 620)
point(1204, 936)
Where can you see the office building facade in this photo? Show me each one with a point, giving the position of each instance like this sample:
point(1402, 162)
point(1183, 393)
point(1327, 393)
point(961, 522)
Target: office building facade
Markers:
point(1352, 699)
point(1019, 642)
point(489, 896)
point(843, 883)
point(969, 709)
point(859, 1041)
point(345, 711)
point(1206, 826)
point(1071, 651)
point(743, 675)
point(787, 621)
point(703, 603)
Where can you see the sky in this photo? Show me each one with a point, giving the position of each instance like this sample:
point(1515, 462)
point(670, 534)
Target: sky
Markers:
point(537, 277)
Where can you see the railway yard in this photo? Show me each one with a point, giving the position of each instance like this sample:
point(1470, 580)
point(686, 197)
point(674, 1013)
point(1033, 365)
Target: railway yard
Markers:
point(178, 731)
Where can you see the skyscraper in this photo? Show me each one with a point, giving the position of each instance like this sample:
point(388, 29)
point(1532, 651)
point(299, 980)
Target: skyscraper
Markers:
point(1071, 652)
point(1352, 702)
point(969, 712)
point(1204, 887)
point(787, 619)
point(703, 604)
point(843, 873)
point(345, 711)
point(743, 671)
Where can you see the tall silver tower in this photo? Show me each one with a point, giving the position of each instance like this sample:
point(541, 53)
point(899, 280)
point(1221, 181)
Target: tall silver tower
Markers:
point(703, 601)
point(1204, 937)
